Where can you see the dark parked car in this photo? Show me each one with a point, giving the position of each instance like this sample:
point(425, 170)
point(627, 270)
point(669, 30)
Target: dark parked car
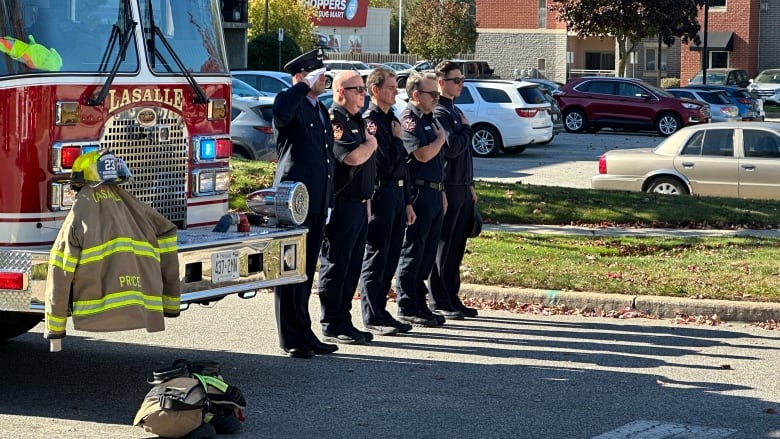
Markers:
point(592, 103)
point(251, 130)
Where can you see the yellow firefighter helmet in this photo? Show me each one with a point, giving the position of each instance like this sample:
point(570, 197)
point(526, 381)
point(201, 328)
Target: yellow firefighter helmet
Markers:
point(99, 167)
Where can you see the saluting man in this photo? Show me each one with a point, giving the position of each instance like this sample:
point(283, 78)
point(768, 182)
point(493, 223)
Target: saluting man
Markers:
point(305, 146)
point(342, 250)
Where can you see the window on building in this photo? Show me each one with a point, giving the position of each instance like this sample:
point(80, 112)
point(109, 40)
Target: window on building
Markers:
point(717, 3)
point(651, 58)
point(719, 59)
point(599, 61)
point(542, 14)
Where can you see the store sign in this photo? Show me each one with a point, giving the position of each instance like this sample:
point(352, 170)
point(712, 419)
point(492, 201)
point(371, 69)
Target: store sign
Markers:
point(340, 13)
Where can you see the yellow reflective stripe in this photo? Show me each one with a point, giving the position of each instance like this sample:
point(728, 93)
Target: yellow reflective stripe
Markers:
point(214, 382)
point(117, 300)
point(168, 245)
point(121, 244)
point(55, 324)
point(62, 261)
point(171, 303)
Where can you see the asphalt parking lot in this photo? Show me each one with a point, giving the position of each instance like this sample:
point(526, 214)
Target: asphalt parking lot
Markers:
point(569, 160)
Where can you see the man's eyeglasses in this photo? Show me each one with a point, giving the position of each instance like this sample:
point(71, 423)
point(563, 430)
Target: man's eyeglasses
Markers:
point(434, 94)
point(357, 88)
point(456, 80)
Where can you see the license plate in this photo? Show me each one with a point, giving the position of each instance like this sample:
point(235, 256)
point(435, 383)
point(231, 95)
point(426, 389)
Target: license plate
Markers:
point(224, 266)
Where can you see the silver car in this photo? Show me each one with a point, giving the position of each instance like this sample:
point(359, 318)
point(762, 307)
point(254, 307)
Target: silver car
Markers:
point(251, 130)
point(721, 108)
point(727, 159)
point(767, 86)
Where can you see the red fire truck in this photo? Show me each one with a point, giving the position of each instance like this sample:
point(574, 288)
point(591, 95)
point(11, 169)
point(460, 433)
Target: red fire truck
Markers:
point(148, 79)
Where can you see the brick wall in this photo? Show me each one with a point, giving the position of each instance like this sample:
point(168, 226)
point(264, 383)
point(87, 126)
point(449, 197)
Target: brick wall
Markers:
point(513, 14)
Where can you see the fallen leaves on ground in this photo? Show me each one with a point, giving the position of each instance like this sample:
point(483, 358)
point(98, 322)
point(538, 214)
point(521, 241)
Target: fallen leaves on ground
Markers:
point(554, 309)
point(770, 325)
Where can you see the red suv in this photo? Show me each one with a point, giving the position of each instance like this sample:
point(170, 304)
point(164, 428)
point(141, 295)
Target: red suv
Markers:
point(592, 103)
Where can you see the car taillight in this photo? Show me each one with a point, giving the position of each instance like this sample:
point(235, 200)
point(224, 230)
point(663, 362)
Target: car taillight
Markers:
point(744, 101)
point(603, 164)
point(526, 112)
point(265, 130)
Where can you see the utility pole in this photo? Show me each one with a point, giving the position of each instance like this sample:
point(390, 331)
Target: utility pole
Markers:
point(400, 23)
point(265, 30)
point(704, 55)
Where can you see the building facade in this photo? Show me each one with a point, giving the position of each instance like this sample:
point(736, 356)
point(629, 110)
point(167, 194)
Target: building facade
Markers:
point(523, 38)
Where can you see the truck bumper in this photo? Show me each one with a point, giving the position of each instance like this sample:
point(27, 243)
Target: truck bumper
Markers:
point(262, 258)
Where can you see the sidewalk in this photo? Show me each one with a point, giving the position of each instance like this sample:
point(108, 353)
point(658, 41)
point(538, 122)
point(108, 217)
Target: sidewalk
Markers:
point(663, 307)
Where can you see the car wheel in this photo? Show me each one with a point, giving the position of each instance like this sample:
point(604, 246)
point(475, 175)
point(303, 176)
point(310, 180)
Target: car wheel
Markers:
point(240, 152)
point(401, 81)
point(667, 124)
point(574, 121)
point(667, 186)
point(486, 141)
point(328, 82)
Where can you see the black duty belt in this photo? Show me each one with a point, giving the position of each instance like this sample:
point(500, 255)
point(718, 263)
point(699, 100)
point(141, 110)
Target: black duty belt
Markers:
point(398, 183)
point(433, 185)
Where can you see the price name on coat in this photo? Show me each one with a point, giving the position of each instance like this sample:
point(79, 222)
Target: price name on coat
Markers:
point(224, 266)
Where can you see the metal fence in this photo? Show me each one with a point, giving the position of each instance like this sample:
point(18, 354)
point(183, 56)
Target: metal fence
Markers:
point(384, 57)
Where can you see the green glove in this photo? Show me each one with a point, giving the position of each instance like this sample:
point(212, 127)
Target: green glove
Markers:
point(34, 55)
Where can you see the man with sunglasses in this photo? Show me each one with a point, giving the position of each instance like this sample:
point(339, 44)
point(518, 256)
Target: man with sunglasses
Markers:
point(423, 140)
point(391, 206)
point(444, 281)
point(341, 255)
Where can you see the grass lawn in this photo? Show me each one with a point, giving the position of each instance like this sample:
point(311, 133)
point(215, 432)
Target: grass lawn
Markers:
point(735, 268)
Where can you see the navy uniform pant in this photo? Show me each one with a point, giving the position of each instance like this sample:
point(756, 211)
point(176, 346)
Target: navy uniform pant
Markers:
point(292, 301)
point(341, 257)
point(383, 247)
point(418, 251)
point(444, 281)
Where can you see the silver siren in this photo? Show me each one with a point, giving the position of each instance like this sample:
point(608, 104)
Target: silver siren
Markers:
point(288, 203)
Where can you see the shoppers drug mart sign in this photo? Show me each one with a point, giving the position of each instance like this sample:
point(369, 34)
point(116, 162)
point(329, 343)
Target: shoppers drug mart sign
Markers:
point(339, 13)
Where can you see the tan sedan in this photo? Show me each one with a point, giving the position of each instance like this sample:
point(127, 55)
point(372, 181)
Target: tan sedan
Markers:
point(726, 159)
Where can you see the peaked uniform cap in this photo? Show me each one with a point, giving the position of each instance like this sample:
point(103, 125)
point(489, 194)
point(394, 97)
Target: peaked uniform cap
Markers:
point(308, 62)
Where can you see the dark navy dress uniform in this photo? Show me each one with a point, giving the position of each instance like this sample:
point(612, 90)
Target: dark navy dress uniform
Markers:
point(419, 247)
point(388, 217)
point(304, 142)
point(444, 281)
point(342, 250)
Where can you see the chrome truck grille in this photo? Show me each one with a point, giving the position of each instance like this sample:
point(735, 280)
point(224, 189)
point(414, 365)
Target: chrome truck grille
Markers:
point(156, 153)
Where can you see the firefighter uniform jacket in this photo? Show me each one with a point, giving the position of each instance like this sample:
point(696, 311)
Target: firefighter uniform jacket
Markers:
point(114, 264)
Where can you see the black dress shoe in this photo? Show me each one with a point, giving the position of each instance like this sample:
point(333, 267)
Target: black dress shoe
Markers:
point(367, 335)
point(438, 318)
point(418, 320)
point(469, 312)
point(401, 327)
point(382, 329)
point(448, 314)
point(298, 352)
point(345, 337)
point(321, 348)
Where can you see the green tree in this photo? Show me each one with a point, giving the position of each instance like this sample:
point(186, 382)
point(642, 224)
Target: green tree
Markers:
point(292, 16)
point(263, 52)
point(440, 29)
point(629, 21)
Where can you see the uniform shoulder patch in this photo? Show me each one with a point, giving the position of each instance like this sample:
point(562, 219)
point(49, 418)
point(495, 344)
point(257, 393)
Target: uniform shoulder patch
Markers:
point(371, 126)
point(338, 130)
point(409, 123)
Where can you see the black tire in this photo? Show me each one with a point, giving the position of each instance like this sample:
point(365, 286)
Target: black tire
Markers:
point(486, 141)
point(328, 81)
point(575, 121)
point(14, 324)
point(401, 81)
point(513, 151)
point(667, 124)
point(667, 186)
point(240, 152)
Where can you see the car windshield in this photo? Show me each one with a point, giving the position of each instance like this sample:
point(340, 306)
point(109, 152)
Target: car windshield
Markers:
point(712, 78)
point(65, 36)
point(360, 66)
point(768, 77)
point(244, 90)
point(658, 91)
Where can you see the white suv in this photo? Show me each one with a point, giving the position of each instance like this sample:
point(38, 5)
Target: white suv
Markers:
point(505, 115)
point(767, 86)
point(335, 66)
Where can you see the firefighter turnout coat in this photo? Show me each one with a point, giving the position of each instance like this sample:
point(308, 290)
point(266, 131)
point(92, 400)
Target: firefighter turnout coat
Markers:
point(114, 266)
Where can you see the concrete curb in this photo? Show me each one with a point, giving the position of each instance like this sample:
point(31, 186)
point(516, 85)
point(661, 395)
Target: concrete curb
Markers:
point(663, 307)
